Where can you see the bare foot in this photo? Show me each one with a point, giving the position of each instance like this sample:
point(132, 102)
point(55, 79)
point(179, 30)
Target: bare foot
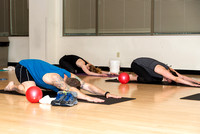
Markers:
point(134, 78)
point(10, 86)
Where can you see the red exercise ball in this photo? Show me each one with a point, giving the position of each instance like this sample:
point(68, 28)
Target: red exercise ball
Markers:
point(123, 78)
point(34, 94)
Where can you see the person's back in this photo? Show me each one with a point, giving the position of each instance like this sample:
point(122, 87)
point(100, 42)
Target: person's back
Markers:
point(39, 68)
point(149, 65)
point(68, 62)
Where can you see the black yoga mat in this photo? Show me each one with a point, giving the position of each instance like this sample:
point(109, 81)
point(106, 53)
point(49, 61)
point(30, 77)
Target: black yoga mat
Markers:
point(109, 75)
point(50, 93)
point(157, 83)
point(192, 97)
point(108, 101)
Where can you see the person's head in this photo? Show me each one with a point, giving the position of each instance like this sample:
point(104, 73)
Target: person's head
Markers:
point(73, 82)
point(94, 69)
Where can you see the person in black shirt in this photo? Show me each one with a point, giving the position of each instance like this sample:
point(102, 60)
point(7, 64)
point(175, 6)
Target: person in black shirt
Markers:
point(149, 70)
point(76, 64)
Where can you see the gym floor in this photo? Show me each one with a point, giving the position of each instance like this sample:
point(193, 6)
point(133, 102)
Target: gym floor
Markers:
point(157, 109)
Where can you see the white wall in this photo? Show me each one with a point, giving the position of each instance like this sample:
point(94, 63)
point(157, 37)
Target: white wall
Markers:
point(18, 48)
point(46, 42)
point(182, 52)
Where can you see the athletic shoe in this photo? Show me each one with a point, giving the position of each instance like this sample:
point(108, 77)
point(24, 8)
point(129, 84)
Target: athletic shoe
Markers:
point(70, 99)
point(59, 97)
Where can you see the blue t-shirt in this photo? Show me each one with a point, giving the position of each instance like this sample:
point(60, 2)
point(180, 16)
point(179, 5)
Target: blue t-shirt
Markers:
point(38, 68)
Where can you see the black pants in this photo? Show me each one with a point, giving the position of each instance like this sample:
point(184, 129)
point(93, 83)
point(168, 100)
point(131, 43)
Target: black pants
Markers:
point(22, 74)
point(143, 75)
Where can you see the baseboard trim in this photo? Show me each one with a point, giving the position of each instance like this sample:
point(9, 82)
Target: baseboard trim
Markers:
point(126, 69)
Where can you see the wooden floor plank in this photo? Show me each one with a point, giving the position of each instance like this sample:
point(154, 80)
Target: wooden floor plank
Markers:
point(157, 110)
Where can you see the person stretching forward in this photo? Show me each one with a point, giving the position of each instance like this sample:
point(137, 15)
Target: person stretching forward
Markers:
point(149, 70)
point(35, 72)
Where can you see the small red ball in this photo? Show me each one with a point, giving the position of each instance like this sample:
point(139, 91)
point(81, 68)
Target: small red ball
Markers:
point(123, 78)
point(34, 94)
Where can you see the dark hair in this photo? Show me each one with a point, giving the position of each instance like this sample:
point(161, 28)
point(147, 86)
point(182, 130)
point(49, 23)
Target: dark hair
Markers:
point(173, 73)
point(95, 69)
point(73, 82)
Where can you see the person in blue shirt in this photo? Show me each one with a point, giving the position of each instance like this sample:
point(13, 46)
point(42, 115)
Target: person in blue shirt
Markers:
point(35, 72)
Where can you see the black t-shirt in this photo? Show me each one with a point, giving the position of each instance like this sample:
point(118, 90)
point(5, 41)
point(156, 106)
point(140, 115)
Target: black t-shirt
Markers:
point(149, 65)
point(72, 59)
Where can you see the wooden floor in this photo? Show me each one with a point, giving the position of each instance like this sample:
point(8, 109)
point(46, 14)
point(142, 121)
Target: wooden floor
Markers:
point(156, 110)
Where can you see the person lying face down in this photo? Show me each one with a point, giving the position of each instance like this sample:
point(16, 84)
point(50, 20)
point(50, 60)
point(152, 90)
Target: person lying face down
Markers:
point(76, 64)
point(34, 72)
point(149, 70)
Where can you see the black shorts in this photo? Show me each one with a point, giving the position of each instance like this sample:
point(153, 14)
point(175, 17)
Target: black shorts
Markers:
point(22, 74)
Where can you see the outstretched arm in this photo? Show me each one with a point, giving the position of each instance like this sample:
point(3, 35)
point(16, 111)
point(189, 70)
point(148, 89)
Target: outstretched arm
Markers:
point(186, 78)
point(80, 63)
point(57, 81)
point(93, 89)
point(166, 74)
point(109, 73)
point(87, 71)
